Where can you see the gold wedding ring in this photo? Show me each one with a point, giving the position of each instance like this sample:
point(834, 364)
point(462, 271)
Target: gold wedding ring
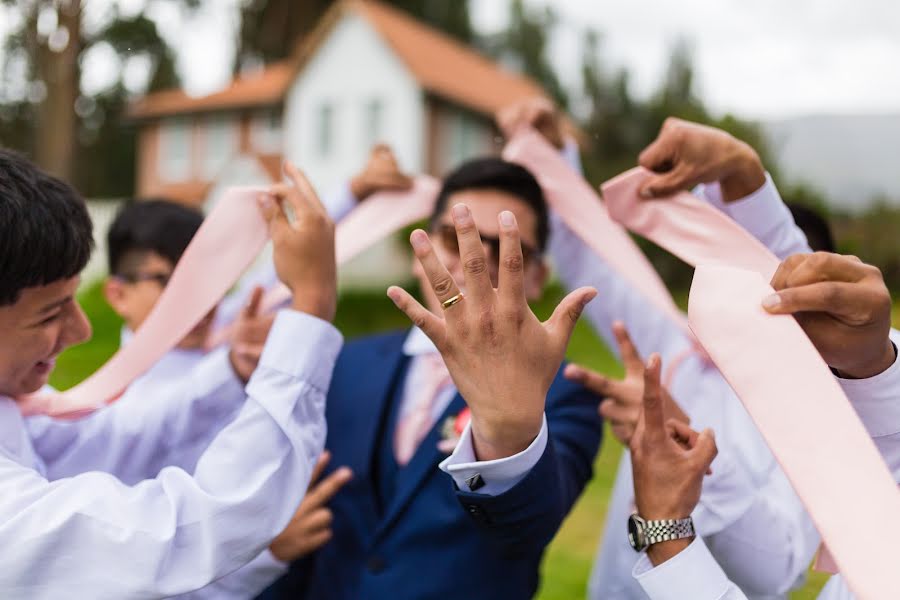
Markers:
point(451, 301)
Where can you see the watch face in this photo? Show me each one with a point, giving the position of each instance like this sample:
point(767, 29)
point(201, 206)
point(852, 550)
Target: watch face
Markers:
point(636, 533)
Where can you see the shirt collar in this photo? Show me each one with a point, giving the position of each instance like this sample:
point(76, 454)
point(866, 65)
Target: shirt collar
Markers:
point(417, 343)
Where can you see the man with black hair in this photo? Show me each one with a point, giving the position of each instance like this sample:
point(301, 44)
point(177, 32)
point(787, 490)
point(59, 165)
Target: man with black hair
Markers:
point(403, 528)
point(91, 535)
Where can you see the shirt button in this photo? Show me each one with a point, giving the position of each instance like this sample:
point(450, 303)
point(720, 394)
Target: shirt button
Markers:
point(375, 564)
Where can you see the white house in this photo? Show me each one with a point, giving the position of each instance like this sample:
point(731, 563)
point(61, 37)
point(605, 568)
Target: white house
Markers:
point(367, 73)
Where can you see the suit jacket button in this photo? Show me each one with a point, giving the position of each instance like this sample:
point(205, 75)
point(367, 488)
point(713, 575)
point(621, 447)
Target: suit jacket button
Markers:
point(375, 564)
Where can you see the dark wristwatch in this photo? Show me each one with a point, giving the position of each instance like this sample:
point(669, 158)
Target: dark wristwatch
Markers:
point(642, 533)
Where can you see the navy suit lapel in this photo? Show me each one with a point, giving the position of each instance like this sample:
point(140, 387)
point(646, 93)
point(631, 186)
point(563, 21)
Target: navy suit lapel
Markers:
point(374, 378)
point(423, 464)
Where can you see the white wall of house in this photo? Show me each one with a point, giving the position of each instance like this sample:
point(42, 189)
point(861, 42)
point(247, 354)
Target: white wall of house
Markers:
point(354, 92)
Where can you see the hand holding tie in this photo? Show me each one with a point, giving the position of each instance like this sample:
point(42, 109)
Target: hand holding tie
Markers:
point(501, 357)
point(686, 154)
point(381, 173)
point(843, 306)
point(304, 253)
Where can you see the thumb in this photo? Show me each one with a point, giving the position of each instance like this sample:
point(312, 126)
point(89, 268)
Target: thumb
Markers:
point(563, 320)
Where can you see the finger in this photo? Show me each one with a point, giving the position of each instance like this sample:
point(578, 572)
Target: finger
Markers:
point(787, 266)
point(630, 357)
point(510, 278)
point(822, 266)
point(659, 155)
point(322, 493)
point(562, 322)
point(321, 463)
point(251, 309)
point(430, 324)
point(307, 192)
point(595, 382)
point(317, 520)
point(617, 414)
point(622, 432)
point(682, 433)
point(441, 281)
point(471, 252)
point(841, 300)
point(273, 212)
point(678, 179)
point(316, 541)
point(705, 449)
point(654, 415)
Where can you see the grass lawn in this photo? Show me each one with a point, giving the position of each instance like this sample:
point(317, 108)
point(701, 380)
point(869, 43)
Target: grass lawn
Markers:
point(569, 558)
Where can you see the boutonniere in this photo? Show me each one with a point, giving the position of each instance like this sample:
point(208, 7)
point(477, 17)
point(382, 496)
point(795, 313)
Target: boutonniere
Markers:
point(451, 430)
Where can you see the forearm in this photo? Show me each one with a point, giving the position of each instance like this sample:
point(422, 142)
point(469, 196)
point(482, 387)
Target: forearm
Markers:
point(153, 426)
point(175, 533)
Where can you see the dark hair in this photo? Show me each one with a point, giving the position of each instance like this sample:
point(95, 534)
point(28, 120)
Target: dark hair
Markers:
point(497, 174)
point(159, 226)
point(45, 228)
point(814, 225)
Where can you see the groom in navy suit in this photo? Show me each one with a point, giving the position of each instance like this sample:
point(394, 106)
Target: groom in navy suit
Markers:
point(416, 521)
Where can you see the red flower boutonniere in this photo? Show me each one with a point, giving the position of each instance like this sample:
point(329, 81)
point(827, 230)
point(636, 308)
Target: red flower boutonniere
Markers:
point(451, 430)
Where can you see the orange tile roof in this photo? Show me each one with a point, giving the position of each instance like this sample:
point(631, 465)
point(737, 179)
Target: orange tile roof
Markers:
point(446, 67)
point(265, 87)
point(441, 65)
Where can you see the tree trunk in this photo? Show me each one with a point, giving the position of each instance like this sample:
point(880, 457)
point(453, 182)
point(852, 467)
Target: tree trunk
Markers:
point(57, 67)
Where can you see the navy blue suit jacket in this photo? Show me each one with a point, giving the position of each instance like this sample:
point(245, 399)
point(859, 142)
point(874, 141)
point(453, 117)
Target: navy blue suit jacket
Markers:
point(430, 539)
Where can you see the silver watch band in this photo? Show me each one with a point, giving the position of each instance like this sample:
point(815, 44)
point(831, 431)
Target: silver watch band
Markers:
point(665, 530)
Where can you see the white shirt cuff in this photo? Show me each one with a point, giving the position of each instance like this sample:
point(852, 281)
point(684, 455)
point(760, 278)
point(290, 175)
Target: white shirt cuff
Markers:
point(313, 359)
point(877, 399)
point(498, 476)
point(762, 211)
point(692, 573)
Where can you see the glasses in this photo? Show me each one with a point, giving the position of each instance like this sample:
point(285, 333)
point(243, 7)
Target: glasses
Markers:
point(448, 238)
point(158, 276)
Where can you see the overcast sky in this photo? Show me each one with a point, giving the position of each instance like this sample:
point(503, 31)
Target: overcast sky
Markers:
point(759, 59)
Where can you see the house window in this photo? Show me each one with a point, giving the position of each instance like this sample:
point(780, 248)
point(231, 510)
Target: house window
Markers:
point(175, 150)
point(374, 122)
point(325, 130)
point(221, 143)
point(464, 138)
point(267, 132)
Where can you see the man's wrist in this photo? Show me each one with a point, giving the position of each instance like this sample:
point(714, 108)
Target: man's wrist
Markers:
point(322, 305)
point(875, 367)
point(501, 440)
point(661, 552)
point(747, 175)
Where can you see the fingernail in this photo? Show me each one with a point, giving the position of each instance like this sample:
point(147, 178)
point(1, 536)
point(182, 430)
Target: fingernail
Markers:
point(393, 293)
point(646, 193)
point(460, 212)
point(771, 301)
point(419, 239)
point(345, 472)
point(264, 200)
point(507, 219)
point(573, 372)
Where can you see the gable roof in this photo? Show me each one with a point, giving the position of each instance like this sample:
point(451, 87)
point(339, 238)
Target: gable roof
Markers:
point(442, 66)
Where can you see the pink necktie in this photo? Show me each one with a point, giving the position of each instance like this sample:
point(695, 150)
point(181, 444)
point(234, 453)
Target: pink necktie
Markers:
point(807, 421)
point(686, 226)
point(579, 206)
point(231, 237)
point(430, 379)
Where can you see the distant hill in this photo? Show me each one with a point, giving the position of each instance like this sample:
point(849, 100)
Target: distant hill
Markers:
point(851, 158)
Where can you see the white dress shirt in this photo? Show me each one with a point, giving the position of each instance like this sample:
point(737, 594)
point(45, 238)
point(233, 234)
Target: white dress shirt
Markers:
point(732, 506)
point(695, 574)
point(92, 536)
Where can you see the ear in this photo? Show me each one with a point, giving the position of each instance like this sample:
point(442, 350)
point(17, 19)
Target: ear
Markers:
point(535, 279)
point(115, 295)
